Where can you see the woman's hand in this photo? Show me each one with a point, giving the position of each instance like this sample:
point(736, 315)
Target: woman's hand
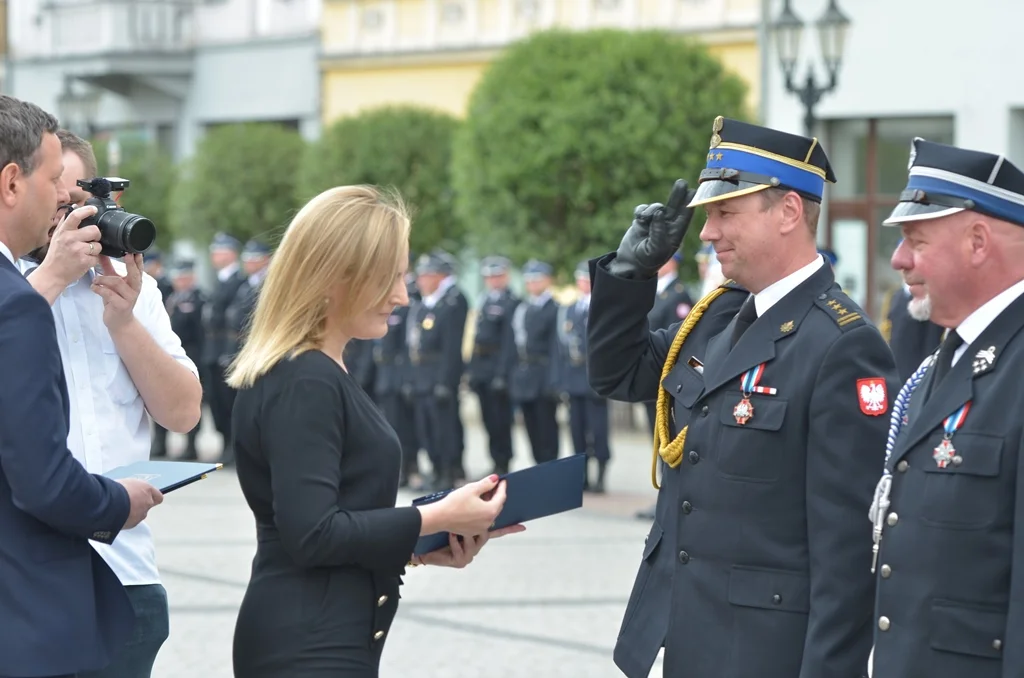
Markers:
point(461, 551)
point(471, 509)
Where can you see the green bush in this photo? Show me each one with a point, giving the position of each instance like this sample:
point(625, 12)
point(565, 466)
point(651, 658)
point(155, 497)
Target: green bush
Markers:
point(567, 132)
point(404, 147)
point(152, 172)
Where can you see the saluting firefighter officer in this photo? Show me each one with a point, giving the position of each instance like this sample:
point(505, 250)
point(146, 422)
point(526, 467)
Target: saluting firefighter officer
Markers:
point(588, 412)
point(494, 353)
point(436, 326)
point(534, 385)
point(769, 423)
point(185, 308)
point(950, 505)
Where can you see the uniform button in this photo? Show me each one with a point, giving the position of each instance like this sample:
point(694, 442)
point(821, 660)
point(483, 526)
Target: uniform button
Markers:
point(684, 557)
point(687, 507)
point(679, 387)
point(381, 601)
point(777, 599)
point(883, 623)
point(997, 644)
point(885, 571)
point(694, 457)
point(822, 296)
point(378, 635)
point(892, 520)
point(957, 460)
point(902, 466)
point(704, 411)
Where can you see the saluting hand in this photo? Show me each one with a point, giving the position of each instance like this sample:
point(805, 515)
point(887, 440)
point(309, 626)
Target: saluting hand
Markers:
point(654, 236)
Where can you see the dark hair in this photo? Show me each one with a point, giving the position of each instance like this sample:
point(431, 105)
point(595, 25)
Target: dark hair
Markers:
point(22, 126)
point(80, 147)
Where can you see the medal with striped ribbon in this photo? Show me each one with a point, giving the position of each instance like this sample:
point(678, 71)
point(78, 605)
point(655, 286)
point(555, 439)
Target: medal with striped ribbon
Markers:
point(945, 454)
point(749, 382)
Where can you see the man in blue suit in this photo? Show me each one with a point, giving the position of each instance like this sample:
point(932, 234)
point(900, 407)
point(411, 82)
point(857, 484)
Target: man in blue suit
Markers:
point(63, 609)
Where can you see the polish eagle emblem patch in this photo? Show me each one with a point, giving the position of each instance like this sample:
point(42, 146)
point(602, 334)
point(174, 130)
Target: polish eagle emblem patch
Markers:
point(872, 395)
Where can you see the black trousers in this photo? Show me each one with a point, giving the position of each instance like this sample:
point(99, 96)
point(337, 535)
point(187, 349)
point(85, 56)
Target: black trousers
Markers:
point(541, 427)
point(496, 411)
point(401, 414)
point(439, 430)
point(588, 422)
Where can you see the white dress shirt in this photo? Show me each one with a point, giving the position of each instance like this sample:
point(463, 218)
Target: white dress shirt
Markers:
point(6, 251)
point(772, 294)
point(430, 301)
point(666, 280)
point(109, 424)
point(976, 323)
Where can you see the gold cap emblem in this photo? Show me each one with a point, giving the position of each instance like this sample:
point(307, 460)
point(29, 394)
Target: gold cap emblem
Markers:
point(717, 127)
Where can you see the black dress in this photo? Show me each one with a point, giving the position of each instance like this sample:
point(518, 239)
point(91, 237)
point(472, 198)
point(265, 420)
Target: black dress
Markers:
point(318, 465)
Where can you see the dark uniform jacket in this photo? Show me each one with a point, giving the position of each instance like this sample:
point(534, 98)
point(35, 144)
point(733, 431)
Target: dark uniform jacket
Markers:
point(359, 361)
point(670, 306)
point(185, 309)
point(951, 562)
point(535, 327)
point(572, 334)
point(435, 342)
point(214, 316)
point(911, 340)
point(494, 347)
point(768, 545)
point(391, 356)
point(236, 319)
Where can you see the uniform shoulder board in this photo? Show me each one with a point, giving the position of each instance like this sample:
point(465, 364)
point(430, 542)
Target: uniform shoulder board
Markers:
point(843, 310)
point(733, 285)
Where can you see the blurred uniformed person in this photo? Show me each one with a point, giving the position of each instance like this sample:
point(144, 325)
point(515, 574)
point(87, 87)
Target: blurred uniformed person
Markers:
point(670, 306)
point(436, 325)
point(185, 308)
point(772, 412)
point(392, 387)
point(494, 354)
point(588, 412)
point(153, 265)
point(535, 377)
point(220, 397)
point(360, 364)
point(950, 506)
point(907, 326)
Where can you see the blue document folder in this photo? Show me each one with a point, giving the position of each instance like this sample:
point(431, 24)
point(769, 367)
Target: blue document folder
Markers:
point(165, 476)
point(536, 492)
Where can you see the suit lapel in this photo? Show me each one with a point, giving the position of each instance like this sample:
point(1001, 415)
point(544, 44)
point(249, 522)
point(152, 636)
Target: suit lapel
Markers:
point(980, 358)
point(757, 345)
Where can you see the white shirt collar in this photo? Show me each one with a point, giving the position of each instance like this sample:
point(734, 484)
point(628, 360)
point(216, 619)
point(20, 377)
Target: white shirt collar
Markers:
point(976, 323)
point(6, 251)
point(225, 273)
point(772, 294)
point(430, 301)
point(666, 280)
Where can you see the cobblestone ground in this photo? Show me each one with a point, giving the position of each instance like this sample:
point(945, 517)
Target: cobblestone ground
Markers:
point(545, 603)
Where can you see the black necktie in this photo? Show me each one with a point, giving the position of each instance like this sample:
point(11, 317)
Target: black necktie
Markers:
point(744, 319)
point(944, 361)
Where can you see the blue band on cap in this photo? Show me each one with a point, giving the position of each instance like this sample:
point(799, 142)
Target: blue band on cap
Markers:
point(790, 176)
point(987, 203)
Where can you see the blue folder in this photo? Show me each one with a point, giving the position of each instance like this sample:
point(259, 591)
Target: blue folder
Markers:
point(536, 492)
point(165, 476)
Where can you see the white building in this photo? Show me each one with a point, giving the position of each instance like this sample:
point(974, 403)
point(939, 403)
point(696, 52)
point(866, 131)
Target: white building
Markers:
point(167, 69)
point(938, 69)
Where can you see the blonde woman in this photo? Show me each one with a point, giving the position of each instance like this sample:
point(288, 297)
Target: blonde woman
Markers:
point(317, 461)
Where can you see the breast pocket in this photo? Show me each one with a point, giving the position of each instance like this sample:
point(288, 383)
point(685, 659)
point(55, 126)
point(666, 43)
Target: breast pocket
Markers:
point(965, 494)
point(685, 386)
point(745, 450)
point(118, 381)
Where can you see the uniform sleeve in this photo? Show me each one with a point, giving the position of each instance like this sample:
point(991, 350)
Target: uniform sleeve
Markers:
point(1013, 652)
point(302, 433)
point(845, 455)
point(45, 479)
point(452, 364)
point(507, 355)
point(553, 379)
point(152, 313)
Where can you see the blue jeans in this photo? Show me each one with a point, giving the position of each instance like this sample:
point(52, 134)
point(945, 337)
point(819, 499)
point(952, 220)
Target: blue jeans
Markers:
point(152, 626)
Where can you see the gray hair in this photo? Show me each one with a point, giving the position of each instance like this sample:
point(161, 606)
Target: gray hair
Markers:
point(22, 126)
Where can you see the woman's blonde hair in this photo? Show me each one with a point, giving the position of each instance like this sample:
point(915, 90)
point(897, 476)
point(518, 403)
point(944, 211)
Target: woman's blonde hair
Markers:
point(349, 238)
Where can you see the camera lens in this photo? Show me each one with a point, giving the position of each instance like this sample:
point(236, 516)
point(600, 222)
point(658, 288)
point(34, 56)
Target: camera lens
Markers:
point(125, 231)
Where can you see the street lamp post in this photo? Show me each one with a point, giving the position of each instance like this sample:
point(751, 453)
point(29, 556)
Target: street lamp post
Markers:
point(788, 31)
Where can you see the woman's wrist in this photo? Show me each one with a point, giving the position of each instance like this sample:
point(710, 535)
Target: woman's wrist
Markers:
point(432, 518)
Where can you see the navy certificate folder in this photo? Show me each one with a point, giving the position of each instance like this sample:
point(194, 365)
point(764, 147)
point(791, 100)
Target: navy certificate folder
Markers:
point(536, 492)
point(165, 476)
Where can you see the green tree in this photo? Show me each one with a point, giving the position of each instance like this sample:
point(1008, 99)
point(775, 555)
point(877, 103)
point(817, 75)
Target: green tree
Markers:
point(406, 147)
point(567, 132)
point(151, 171)
point(241, 180)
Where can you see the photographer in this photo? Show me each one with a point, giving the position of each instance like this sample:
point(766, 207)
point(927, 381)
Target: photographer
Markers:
point(122, 360)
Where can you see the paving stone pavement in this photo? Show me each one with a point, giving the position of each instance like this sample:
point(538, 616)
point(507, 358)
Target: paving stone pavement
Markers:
point(545, 603)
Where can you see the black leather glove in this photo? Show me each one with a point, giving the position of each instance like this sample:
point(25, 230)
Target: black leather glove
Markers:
point(654, 236)
point(441, 391)
point(498, 384)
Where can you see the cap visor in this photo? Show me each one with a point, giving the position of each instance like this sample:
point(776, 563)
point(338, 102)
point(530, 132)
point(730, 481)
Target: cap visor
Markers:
point(716, 191)
point(905, 212)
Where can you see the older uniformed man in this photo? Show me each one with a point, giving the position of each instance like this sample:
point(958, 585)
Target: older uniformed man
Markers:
point(950, 513)
point(772, 398)
point(908, 328)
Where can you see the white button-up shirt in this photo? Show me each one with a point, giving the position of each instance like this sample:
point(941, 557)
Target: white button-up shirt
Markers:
point(109, 424)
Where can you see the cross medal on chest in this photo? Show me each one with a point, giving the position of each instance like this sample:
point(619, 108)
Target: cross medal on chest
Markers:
point(945, 454)
point(744, 410)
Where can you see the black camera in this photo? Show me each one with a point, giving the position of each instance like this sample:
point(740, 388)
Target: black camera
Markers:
point(120, 232)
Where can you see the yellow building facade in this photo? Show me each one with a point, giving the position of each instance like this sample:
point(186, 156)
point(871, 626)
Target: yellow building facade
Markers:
point(432, 53)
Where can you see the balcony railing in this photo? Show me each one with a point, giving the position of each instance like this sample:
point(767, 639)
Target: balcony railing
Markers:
point(86, 27)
